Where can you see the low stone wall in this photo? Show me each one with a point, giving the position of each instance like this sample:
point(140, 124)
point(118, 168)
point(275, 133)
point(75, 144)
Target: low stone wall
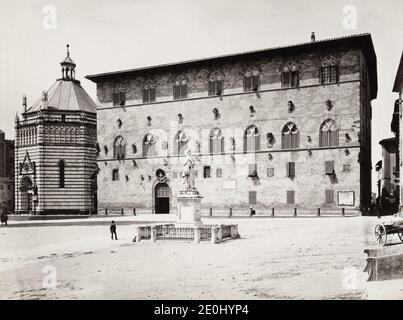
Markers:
point(213, 233)
point(384, 263)
point(278, 212)
point(241, 212)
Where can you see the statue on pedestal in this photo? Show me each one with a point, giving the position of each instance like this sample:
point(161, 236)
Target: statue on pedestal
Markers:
point(188, 175)
point(189, 199)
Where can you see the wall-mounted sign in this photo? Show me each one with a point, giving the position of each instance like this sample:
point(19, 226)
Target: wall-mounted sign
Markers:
point(346, 198)
point(229, 184)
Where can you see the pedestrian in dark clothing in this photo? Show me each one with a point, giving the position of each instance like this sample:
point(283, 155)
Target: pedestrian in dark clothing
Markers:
point(4, 216)
point(113, 230)
point(4, 219)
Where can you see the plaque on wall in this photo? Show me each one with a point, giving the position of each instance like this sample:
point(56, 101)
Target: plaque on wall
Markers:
point(229, 184)
point(346, 198)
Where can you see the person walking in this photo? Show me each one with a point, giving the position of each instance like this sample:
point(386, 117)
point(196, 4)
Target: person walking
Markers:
point(113, 230)
point(5, 217)
point(3, 214)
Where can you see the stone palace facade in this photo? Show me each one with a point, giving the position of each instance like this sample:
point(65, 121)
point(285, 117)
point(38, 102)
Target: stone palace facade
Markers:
point(286, 127)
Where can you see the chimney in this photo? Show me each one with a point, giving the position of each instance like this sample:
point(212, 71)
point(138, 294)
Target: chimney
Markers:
point(313, 37)
point(24, 102)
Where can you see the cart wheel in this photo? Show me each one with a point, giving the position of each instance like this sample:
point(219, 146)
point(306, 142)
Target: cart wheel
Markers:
point(380, 234)
point(400, 234)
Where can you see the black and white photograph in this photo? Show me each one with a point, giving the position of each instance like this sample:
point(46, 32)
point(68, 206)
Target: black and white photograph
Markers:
point(189, 150)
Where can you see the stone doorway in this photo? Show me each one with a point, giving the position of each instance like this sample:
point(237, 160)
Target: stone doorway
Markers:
point(162, 198)
point(26, 189)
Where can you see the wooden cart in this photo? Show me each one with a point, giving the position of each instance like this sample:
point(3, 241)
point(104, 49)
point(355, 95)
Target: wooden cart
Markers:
point(383, 229)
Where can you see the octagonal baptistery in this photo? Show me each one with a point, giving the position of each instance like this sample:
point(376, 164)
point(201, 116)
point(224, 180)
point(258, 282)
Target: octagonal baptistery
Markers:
point(55, 150)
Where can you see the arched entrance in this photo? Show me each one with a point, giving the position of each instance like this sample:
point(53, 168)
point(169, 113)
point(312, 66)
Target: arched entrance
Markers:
point(162, 197)
point(26, 189)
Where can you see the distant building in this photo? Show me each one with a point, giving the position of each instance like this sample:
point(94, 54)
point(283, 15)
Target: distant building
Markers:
point(398, 87)
point(7, 172)
point(286, 127)
point(55, 152)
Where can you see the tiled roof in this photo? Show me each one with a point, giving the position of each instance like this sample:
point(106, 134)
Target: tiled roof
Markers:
point(66, 95)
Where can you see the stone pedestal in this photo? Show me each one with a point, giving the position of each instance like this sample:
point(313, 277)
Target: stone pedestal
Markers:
point(214, 232)
point(189, 209)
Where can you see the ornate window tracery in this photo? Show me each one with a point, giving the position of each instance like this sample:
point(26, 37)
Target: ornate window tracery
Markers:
point(290, 136)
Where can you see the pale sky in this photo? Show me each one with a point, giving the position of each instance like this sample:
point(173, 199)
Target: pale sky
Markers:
point(123, 34)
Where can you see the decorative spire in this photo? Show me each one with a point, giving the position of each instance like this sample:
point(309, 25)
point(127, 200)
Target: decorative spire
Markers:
point(44, 100)
point(24, 103)
point(68, 66)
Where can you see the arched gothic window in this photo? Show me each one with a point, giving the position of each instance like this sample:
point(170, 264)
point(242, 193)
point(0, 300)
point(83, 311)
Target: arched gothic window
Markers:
point(290, 136)
point(61, 165)
point(119, 148)
point(35, 135)
point(290, 76)
point(77, 135)
point(180, 88)
point(149, 92)
point(28, 136)
point(329, 71)
point(216, 84)
point(52, 135)
point(216, 141)
point(46, 134)
point(149, 146)
point(72, 135)
point(119, 97)
point(251, 139)
point(57, 135)
point(68, 135)
point(251, 80)
point(329, 134)
point(63, 134)
point(180, 143)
